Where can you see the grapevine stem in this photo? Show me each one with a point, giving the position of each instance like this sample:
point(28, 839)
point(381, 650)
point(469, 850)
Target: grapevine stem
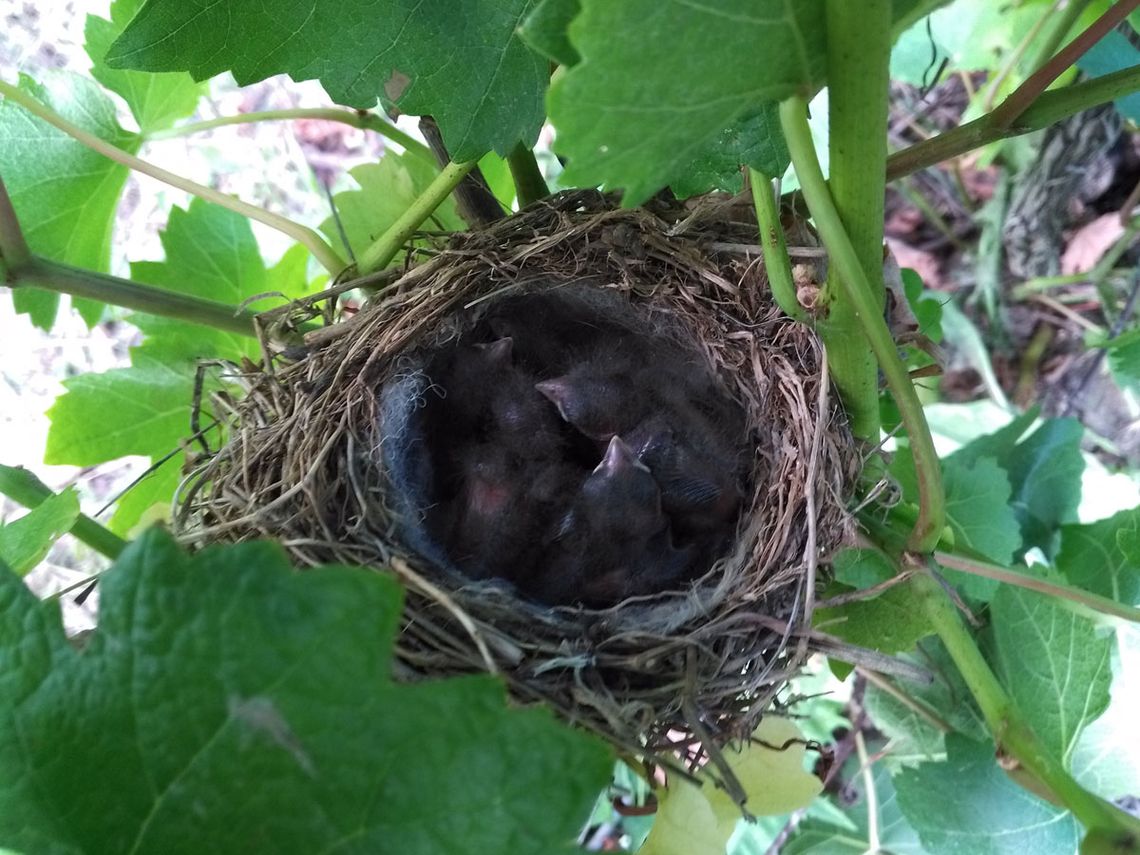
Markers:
point(530, 186)
point(858, 48)
point(24, 488)
point(1048, 108)
point(1006, 113)
point(1009, 729)
point(363, 119)
point(776, 261)
point(932, 503)
point(385, 247)
point(1033, 583)
point(302, 234)
point(25, 269)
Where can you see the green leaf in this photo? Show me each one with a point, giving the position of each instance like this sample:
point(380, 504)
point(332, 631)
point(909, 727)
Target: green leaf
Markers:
point(216, 724)
point(888, 622)
point(544, 30)
point(979, 514)
point(966, 804)
point(692, 818)
point(156, 100)
point(927, 308)
point(1054, 664)
point(862, 568)
point(1044, 471)
point(658, 85)
point(1124, 358)
point(65, 195)
point(386, 190)
point(850, 831)
point(463, 64)
point(1103, 557)
point(914, 737)
point(25, 542)
point(1106, 759)
point(757, 141)
point(146, 409)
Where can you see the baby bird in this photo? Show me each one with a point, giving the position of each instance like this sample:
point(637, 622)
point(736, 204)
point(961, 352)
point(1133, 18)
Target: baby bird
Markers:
point(522, 420)
point(599, 548)
point(486, 528)
point(476, 369)
point(604, 394)
point(695, 468)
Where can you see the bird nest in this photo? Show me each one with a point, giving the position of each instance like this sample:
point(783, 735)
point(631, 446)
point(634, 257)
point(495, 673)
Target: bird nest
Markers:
point(319, 458)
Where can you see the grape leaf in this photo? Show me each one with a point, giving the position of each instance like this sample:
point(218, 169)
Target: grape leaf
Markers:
point(861, 568)
point(157, 101)
point(889, 622)
point(979, 514)
point(1124, 358)
point(463, 64)
point(25, 542)
point(217, 725)
point(659, 84)
point(64, 194)
point(692, 818)
point(913, 736)
point(386, 190)
point(146, 409)
point(1054, 663)
point(756, 140)
point(1044, 471)
point(966, 804)
point(850, 832)
point(1101, 557)
point(1106, 759)
point(545, 30)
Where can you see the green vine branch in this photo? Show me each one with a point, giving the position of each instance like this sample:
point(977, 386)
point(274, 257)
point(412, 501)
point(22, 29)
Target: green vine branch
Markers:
point(777, 264)
point(530, 186)
point(1048, 108)
point(1008, 576)
point(23, 268)
point(1010, 731)
point(363, 119)
point(858, 292)
point(302, 234)
point(24, 488)
point(1006, 113)
point(385, 247)
point(858, 47)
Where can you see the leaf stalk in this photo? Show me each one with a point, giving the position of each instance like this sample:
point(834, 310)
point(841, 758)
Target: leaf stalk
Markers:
point(384, 248)
point(1048, 108)
point(868, 314)
point(530, 186)
point(776, 261)
point(1010, 731)
point(24, 488)
point(302, 234)
point(363, 119)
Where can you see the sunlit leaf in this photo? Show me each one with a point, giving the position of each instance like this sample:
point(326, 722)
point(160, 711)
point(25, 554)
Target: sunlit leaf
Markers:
point(464, 64)
point(64, 193)
point(156, 100)
point(25, 542)
point(659, 85)
point(202, 717)
point(692, 818)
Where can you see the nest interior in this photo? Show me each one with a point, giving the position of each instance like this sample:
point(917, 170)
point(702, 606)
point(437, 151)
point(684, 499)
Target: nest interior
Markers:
point(322, 456)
